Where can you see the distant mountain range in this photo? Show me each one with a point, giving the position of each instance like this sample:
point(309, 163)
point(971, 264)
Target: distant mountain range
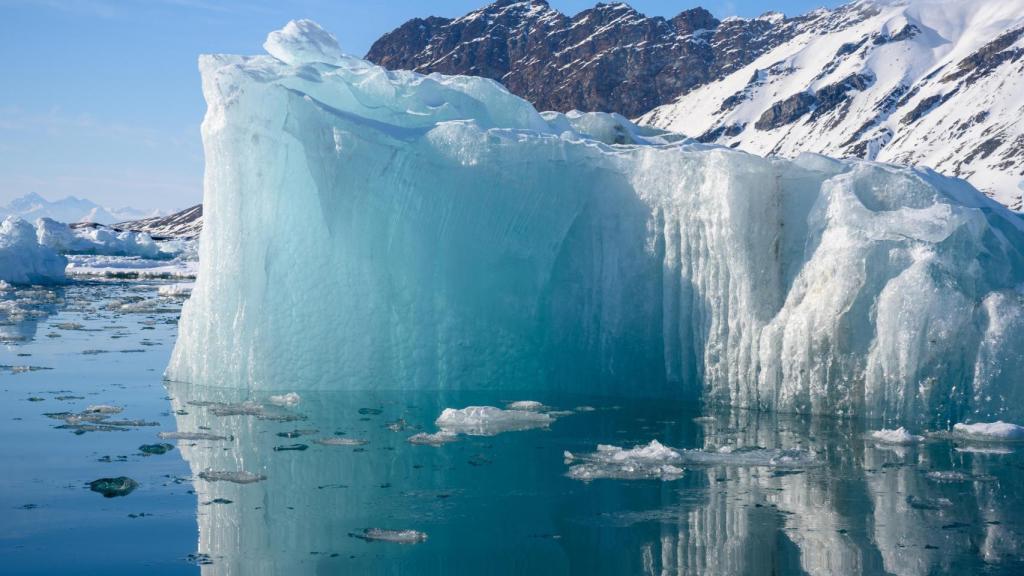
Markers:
point(932, 82)
point(71, 209)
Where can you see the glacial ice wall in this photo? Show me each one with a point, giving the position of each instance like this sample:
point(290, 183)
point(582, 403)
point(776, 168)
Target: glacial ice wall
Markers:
point(367, 228)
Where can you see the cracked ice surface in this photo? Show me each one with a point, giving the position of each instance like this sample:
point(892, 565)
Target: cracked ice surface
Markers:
point(374, 228)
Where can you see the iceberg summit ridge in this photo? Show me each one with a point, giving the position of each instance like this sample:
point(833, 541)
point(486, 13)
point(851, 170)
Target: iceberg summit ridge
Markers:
point(369, 228)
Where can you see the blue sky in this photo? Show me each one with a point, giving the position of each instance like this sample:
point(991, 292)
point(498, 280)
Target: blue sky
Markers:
point(101, 98)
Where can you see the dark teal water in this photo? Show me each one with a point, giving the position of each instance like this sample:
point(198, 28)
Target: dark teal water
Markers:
point(497, 504)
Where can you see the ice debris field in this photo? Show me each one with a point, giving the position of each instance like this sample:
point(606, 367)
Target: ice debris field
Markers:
point(50, 252)
point(374, 228)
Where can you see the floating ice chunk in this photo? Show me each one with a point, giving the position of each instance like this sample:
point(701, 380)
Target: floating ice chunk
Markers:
point(990, 432)
point(342, 441)
point(103, 409)
point(176, 290)
point(190, 436)
point(898, 436)
point(655, 460)
point(530, 405)
point(237, 477)
point(488, 420)
point(397, 536)
point(651, 461)
point(289, 399)
point(436, 439)
point(23, 260)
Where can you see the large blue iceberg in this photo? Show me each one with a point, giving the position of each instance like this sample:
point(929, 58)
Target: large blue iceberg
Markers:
point(376, 229)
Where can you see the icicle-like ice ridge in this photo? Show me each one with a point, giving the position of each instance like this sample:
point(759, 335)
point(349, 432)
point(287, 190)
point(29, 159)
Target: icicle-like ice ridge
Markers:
point(367, 228)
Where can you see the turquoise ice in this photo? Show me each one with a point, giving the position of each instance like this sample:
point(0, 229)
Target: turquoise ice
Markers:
point(376, 229)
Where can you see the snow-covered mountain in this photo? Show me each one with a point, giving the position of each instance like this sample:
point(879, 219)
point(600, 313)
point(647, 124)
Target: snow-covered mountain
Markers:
point(609, 58)
point(938, 83)
point(70, 209)
point(185, 224)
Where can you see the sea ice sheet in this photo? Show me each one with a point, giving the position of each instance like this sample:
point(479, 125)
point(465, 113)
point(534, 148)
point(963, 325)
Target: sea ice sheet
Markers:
point(367, 228)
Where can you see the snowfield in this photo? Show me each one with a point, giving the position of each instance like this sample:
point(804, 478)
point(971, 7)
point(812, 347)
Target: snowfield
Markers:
point(367, 228)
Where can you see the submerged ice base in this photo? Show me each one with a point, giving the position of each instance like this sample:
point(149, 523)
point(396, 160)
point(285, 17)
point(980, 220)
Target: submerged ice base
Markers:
point(367, 228)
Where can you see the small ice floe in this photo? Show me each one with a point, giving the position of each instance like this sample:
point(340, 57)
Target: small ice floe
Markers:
point(989, 432)
point(489, 421)
point(704, 419)
point(585, 408)
point(529, 405)
point(435, 439)
point(112, 487)
point(656, 460)
point(103, 409)
point(652, 461)
point(289, 399)
point(397, 425)
point(190, 436)
point(237, 477)
point(176, 290)
point(396, 536)
point(342, 441)
point(898, 436)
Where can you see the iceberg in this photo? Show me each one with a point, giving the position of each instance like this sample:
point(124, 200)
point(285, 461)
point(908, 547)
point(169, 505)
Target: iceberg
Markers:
point(97, 240)
point(23, 260)
point(370, 228)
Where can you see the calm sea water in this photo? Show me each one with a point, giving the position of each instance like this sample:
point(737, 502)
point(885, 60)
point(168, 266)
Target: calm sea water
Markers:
point(499, 504)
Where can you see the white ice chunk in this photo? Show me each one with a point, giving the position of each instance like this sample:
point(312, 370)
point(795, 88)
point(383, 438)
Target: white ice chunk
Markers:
point(23, 260)
point(990, 432)
point(655, 460)
point(397, 536)
point(530, 405)
point(303, 42)
point(289, 399)
point(898, 436)
point(488, 420)
point(435, 439)
point(176, 290)
point(651, 461)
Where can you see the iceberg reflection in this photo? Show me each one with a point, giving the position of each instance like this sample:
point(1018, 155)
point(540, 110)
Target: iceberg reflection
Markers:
point(505, 503)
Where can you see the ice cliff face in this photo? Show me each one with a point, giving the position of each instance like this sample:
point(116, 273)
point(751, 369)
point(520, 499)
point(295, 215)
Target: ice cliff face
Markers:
point(366, 228)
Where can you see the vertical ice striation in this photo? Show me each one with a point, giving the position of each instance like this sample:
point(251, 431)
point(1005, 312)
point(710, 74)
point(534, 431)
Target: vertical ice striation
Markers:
point(367, 228)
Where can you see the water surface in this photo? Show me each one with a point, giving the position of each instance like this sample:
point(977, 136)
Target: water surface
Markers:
point(499, 504)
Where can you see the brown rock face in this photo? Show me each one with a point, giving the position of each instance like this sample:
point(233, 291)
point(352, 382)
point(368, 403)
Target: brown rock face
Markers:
point(609, 58)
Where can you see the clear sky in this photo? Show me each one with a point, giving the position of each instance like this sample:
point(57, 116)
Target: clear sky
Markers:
point(101, 98)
